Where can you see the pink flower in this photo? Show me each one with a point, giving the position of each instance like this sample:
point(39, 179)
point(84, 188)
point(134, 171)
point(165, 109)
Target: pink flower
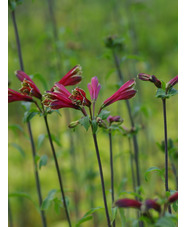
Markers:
point(111, 119)
point(172, 82)
point(16, 96)
point(78, 97)
point(72, 77)
point(126, 91)
point(173, 198)
point(152, 204)
point(94, 88)
point(28, 86)
point(59, 98)
point(153, 79)
point(128, 203)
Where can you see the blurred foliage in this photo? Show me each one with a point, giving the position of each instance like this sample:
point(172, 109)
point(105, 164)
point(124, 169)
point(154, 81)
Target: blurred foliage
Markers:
point(147, 32)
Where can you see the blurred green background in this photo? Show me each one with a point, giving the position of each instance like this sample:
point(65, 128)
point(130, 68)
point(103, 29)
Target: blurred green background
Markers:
point(148, 30)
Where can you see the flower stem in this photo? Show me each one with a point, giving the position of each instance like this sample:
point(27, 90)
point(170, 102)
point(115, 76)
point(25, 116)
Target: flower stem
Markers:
point(58, 171)
point(55, 32)
point(102, 178)
point(111, 170)
point(43, 218)
point(10, 222)
point(166, 149)
point(134, 137)
point(132, 166)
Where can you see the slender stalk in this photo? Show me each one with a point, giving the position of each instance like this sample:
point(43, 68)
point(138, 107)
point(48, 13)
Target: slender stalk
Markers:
point(58, 171)
point(174, 170)
point(132, 166)
point(166, 149)
point(102, 178)
point(74, 168)
point(134, 137)
point(10, 222)
point(111, 170)
point(55, 32)
point(44, 223)
point(135, 142)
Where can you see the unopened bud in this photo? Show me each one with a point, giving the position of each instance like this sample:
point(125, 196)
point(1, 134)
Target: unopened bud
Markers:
point(101, 123)
point(73, 124)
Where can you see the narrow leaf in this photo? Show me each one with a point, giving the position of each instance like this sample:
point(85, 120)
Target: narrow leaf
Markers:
point(43, 161)
point(84, 121)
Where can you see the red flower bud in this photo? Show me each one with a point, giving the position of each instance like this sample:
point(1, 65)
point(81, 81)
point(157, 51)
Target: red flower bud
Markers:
point(171, 83)
point(59, 98)
point(126, 91)
point(173, 198)
point(112, 119)
point(147, 77)
point(94, 88)
point(152, 204)
point(73, 77)
point(28, 85)
point(78, 97)
point(128, 203)
point(16, 96)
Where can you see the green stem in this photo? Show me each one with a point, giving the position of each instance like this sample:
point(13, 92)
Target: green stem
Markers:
point(43, 218)
point(166, 149)
point(111, 171)
point(58, 171)
point(102, 178)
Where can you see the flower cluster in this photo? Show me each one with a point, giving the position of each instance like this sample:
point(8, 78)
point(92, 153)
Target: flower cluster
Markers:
point(55, 99)
point(146, 205)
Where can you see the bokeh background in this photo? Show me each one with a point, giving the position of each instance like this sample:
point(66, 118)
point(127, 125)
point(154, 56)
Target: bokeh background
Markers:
point(148, 32)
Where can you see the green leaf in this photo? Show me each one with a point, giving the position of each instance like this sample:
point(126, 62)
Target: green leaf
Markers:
point(150, 170)
point(26, 105)
point(40, 141)
point(57, 205)
point(43, 161)
point(55, 139)
point(28, 115)
point(87, 216)
point(48, 200)
point(84, 121)
point(11, 5)
point(161, 93)
point(171, 92)
point(19, 148)
point(83, 220)
point(15, 127)
point(94, 126)
point(114, 212)
point(166, 221)
point(24, 195)
point(123, 219)
point(163, 85)
point(104, 114)
point(175, 206)
point(37, 157)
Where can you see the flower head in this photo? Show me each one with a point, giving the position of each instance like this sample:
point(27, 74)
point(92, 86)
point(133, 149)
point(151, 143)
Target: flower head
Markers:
point(59, 98)
point(151, 78)
point(171, 83)
point(112, 119)
point(128, 203)
point(73, 77)
point(28, 86)
point(126, 91)
point(152, 204)
point(16, 96)
point(94, 88)
point(173, 198)
point(78, 97)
